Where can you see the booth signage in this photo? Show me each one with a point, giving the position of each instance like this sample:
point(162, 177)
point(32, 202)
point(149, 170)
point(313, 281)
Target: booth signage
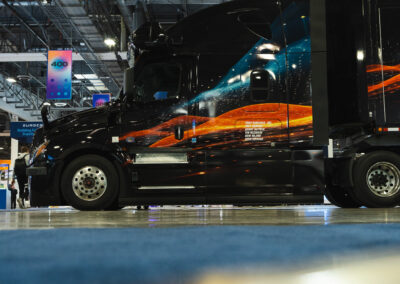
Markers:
point(4, 165)
point(24, 130)
point(59, 75)
point(101, 99)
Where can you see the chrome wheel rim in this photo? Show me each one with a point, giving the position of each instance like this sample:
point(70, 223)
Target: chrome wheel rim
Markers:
point(89, 183)
point(383, 179)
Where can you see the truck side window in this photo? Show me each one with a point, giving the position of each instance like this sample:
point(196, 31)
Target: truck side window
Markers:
point(260, 85)
point(158, 81)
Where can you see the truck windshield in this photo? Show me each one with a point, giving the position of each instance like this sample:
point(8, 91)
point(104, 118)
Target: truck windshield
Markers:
point(158, 81)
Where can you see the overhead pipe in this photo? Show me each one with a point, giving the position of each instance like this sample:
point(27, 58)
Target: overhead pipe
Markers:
point(126, 15)
point(123, 36)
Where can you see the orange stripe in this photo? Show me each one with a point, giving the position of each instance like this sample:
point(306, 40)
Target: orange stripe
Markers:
point(299, 116)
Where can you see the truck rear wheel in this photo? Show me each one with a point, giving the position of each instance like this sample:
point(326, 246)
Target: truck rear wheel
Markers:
point(90, 182)
point(377, 179)
point(340, 197)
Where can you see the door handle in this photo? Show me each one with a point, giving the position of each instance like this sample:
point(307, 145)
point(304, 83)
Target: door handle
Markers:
point(179, 132)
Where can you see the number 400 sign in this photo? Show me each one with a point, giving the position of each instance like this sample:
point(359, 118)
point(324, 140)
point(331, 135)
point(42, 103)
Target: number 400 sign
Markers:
point(59, 73)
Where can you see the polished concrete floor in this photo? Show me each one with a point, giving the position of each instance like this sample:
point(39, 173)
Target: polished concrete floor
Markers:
point(172, 216)
point(381, 267)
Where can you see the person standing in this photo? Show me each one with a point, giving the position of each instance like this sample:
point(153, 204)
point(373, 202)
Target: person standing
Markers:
point(11, 187)
point(20, 173)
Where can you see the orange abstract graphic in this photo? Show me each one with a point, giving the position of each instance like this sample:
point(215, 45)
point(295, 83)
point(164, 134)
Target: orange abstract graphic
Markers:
point(388, 85)
point(299, 116)
point(164, 129)
point(269, 119)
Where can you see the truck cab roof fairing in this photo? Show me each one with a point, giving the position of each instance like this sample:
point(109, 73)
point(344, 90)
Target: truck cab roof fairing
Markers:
point(204, 31)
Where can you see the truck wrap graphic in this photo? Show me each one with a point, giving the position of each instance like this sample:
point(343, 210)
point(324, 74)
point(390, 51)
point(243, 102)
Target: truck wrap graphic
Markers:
point(391, 82)
point(245, 126)
point(228, 116)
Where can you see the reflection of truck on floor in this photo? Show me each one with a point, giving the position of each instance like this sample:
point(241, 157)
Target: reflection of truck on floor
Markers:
point(235, 104)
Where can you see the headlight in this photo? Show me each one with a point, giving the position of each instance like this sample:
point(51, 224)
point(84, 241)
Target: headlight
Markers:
point(39, 150)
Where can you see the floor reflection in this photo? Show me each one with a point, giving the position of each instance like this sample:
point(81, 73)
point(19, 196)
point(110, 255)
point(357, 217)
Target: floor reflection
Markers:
point(172, 216)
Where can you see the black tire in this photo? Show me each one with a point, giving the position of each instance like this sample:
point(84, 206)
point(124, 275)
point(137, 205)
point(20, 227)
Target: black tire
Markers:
point(341, 197)
point(90, 182)
point(377, 179)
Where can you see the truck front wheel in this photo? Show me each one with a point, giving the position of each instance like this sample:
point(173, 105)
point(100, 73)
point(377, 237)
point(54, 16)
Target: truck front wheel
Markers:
point(90, 182)
point(377, 179)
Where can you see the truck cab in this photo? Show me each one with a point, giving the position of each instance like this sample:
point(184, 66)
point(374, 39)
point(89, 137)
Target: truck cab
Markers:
point(217, 109)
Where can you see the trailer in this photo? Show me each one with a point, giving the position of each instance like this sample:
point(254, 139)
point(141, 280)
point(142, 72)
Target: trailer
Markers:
point(246, 102)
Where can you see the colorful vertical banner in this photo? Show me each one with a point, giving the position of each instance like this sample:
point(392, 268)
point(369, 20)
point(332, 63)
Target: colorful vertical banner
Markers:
point(101, 99)
point(59, 74)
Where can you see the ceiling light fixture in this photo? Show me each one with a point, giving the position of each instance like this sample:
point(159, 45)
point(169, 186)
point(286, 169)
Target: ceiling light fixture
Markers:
point(109, 42)
point(11, 80)
point(90, 76)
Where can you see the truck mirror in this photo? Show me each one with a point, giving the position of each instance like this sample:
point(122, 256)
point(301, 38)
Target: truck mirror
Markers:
point(129, 82)
point(45, 111)
point(259, 84)
point(256, 23)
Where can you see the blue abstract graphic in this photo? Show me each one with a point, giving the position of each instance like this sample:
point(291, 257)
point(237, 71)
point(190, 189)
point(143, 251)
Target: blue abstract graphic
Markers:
point(237, 81)
point(270, 55)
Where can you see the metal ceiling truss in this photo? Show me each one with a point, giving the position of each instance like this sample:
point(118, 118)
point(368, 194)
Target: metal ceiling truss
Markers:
point(23, 22)
point(18, 100)
point(11, 97)
point(66, 24)
point(28, 13)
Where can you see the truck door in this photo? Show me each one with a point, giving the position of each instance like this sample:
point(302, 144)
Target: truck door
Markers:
point(253, 159)
point(156, 126)
point(383, 63)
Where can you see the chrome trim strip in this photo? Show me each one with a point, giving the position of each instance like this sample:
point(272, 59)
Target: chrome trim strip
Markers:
point(160, 158)
point(167, 187)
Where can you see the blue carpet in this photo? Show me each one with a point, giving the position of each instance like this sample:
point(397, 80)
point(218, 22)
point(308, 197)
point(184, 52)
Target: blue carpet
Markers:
point(172, 255)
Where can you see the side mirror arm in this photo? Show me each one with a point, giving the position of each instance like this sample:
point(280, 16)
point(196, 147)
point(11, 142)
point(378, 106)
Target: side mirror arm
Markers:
point(45, 110)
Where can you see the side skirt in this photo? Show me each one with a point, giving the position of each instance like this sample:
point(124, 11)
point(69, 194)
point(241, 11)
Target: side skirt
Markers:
point(223, 199)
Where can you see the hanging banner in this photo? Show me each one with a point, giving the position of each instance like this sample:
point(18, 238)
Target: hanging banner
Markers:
point(100, 99)
point(59, 74)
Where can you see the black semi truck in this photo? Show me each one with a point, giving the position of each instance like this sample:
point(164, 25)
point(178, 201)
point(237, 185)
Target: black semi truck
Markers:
point(247, 102)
